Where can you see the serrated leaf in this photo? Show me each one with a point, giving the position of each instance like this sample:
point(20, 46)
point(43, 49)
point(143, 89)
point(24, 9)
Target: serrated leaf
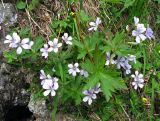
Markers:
point(10, 55)
point(38, 43)
point(110, 84)
point(83, 16)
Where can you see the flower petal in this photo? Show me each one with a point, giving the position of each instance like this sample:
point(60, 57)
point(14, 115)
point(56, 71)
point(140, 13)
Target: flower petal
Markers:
point(53, 93)
point(26, 46)
point(25, 40)
point(45, 93)
point(85, 99)
point(19, 50)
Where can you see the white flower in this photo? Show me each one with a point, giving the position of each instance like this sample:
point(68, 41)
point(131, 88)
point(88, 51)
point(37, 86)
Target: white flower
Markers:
point(136, 21)
point(89, 96)
point(138, 80)
point(94, 25)
point(54, 45)
point(138, 33)
point(25, 44)
point(13, 40)
point(50, 85)
point(84, 73)
point(73, 69)
point(45, 51)
point(109, 58)
point(67, 39)
point(131, 58)
point(127, 28)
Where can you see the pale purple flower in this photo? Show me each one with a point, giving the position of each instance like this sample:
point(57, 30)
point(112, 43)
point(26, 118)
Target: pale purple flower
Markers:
point(123, 62)
point(13, 40)
point(54, 45)
point(45, 51)
point(50, 85)
point(138, 80)
point(109, 58)
point(97, 88)
point(89, 96)
point(138, 33)
point(84, 73)
point(25, 44)
point(120, 62)
point(149, 33)
point(13, 19)
point(73, 69)
point(43, 76)
point(94, 25)
point(67, 39)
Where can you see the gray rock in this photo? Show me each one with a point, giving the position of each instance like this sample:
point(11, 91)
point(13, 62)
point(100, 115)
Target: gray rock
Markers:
point(8, 15)
point(12, 88)
point(39, 109)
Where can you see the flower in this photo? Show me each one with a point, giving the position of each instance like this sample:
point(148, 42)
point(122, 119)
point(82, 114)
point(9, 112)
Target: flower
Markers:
point(89, 96)
point(120, 62)
point(43, 76)
point(127, 28)
point(45, 51)
point(138, 33)
point(50, 85)
point(136, 21)
point(54, 45)
point(149, 33)
point(67, 39)
point(25, 44)
point(13, 19)
point(109, 58)
point(123, 62)
point(84, 73)
point(94, 25)
point(131, 58)
point(138, 80)
point(13, 40)
point(97, 88)
point(73, 69)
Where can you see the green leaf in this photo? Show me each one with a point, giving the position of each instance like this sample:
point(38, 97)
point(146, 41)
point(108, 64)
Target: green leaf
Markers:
point(38, 43)
point(92, 81)
point(10, 55)
point(83, 16)
point(110, 83)
point(128, 3)
point(33, 4)
point(21, 5)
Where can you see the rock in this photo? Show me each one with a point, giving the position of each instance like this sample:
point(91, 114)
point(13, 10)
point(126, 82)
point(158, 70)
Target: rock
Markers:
point(8, 14)
point(12, 89)
point(39, 109)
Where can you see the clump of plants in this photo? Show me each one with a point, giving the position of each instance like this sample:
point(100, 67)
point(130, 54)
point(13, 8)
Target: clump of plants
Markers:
point(86, 64)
